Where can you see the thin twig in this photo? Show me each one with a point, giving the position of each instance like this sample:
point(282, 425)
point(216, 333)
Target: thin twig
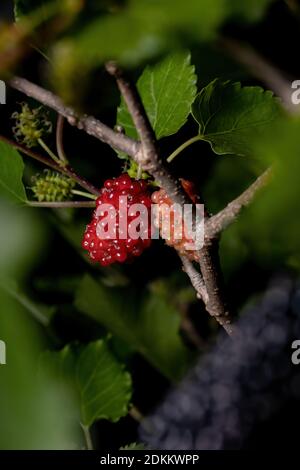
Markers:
point(197, 282)
point(81, 181)
point(209, 257)
point(261, 69)
point(88, 124)
point(59, 139)
point(216, 304)
point(67, 170)
point(61, 205)
point(183, 147)
point(219, 222)
point(30, 153)
point(50, 153)
point(84, 194)
point(195, 278)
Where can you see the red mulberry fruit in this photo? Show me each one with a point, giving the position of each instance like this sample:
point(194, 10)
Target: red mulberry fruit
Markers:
point(117, 244)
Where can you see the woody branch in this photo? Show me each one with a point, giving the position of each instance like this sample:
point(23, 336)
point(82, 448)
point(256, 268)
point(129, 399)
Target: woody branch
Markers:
point(208, 286)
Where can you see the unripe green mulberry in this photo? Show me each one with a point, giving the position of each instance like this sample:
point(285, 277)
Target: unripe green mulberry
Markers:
point(52, 187)
point(31, 125)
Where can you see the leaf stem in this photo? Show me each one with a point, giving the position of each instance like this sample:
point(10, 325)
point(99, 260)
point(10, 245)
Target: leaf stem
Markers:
point(139, 172)
point(61, 205)
point(50, 153)
point(88, 437)
point(59, 139)
point(195, 278)
point(84, 194)
point(183, 147)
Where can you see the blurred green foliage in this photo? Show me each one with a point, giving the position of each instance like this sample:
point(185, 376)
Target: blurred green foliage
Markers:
point(131, 31)
point(22, 238)
point(268, 232)
point(272, 223)
point(147, 322)
point(143, 28)
point(34, 414)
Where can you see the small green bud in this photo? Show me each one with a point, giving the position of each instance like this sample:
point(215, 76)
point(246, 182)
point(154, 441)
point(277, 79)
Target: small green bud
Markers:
point(133, 170)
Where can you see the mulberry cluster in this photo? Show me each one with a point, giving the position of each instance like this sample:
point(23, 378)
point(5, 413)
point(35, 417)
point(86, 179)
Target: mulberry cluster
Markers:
point(120, 247)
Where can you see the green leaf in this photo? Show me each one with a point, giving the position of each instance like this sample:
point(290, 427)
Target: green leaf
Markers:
point(141, 29)
point(11, 173)
point(134, 446)
point(147, 322)
point(167, 90)
point(230, 116)
point(104, 387)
